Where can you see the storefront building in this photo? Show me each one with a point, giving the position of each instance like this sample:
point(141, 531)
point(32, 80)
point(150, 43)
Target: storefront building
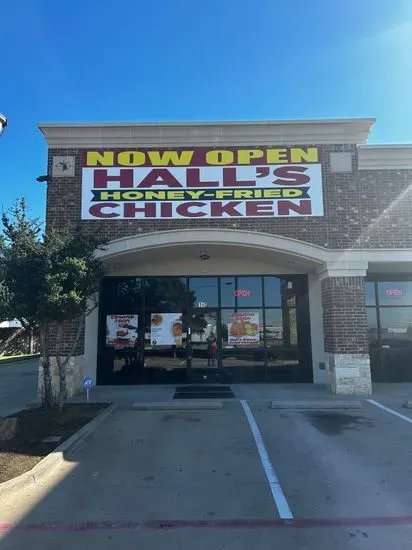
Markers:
point(240, 252)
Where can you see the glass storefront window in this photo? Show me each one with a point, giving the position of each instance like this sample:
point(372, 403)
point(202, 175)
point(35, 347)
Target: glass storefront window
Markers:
point(395, 293)
point(288, 292)
point(272, 291)
point(227, 291)
point(204, 291)
point(372, 325)
point(396, 323)
point(170, 349)
point(370, 293)
point(165, 293)
point(274, 328)
point(248, 291)
point(121, 295)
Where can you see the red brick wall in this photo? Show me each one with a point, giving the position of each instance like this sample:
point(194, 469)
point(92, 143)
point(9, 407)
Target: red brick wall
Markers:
point(344, 315)
point(69, 333)
point(386, 208)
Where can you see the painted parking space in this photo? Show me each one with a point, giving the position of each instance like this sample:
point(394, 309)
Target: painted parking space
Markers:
point(196, 479)
point(341, 464)
point(177, 465)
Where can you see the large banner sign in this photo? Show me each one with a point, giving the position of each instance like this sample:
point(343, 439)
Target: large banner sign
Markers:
point(202, 183)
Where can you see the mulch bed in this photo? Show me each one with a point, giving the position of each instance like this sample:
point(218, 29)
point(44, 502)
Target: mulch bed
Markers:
point(22, 434)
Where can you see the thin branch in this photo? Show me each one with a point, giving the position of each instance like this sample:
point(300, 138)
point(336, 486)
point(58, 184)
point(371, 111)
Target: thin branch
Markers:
point(75, 341)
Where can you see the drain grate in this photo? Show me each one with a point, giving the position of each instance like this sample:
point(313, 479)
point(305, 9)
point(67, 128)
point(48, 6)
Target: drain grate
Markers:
point(203, 392)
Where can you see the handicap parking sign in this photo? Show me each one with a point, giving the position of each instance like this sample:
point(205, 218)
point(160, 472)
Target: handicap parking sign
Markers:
point(87, 382)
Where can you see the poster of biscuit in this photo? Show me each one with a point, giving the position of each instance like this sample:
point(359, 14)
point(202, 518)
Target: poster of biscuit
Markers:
point(243, 328)
point(166, 329)
point(121, 331)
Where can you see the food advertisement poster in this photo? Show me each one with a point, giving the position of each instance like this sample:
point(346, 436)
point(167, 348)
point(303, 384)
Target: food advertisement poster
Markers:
point(243, 328)
point(121, 331)
point(166, 329)
point(200, 182)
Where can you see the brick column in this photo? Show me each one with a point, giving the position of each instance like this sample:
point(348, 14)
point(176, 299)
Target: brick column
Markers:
point(345, 334)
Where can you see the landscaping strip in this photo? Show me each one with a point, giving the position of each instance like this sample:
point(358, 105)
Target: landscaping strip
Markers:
point(43, 466)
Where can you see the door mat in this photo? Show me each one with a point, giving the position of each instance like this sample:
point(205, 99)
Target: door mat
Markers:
point(203, 392)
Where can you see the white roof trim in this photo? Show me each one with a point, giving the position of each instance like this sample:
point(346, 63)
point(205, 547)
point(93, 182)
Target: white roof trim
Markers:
point(385, 157)
point(179, 134)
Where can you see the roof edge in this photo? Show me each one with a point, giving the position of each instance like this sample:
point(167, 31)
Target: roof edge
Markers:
point(207, 133)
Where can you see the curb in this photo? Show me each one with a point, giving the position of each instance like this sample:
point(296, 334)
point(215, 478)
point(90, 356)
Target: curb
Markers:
point(43, 468)
point(316, 404)
point(18, 359)
point(179, 406)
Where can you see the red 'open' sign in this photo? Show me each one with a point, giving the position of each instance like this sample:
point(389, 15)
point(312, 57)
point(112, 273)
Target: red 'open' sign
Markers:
point(394, 292)
point(242, 292)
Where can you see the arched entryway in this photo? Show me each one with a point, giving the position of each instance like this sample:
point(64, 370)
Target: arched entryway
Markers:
point(206, 305)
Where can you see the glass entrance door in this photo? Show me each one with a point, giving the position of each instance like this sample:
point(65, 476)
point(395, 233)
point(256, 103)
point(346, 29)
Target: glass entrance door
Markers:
point(204, 357)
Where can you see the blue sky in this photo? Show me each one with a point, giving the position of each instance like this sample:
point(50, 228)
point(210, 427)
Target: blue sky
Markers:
point(89, 60)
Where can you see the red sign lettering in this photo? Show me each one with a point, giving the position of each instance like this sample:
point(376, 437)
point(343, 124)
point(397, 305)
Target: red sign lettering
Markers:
point(394, 292)
point(242, 292)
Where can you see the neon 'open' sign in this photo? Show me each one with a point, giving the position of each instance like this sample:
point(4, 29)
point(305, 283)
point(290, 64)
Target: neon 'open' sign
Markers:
point(242, 292)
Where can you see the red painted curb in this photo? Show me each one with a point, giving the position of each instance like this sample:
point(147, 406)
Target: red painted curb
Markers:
point(6, 527)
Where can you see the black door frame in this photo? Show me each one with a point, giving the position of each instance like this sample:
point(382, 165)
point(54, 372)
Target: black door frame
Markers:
point(197, 374)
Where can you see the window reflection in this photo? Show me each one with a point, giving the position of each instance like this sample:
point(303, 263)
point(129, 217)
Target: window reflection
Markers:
point(204, 290)
point(396, 323)
point(121, 295)
point(370, 293)
point(227, 291)
point(372, 324)
point(272, 291)
point(166, 293)
point(274, 328)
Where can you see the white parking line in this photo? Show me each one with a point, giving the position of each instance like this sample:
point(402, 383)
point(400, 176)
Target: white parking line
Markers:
point(391, 411)
point(276, 489)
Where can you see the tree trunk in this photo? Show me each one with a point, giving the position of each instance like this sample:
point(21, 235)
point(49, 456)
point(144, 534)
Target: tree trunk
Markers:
point(48, 398)
point(62, 368)
point(31, 341)
point(62, 364)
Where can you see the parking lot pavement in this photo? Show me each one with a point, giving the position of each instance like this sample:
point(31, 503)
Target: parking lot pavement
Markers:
point(200, 479)
point(18, 385)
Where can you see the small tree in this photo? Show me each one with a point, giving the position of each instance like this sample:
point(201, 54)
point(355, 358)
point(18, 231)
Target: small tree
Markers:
point(46, 280)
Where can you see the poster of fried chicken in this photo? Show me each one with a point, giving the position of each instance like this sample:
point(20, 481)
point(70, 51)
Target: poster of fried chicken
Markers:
point(243, 328)
point(121, 331)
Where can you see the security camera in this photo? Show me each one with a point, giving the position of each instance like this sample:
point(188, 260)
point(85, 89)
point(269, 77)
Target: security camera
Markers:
point(3, 123)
